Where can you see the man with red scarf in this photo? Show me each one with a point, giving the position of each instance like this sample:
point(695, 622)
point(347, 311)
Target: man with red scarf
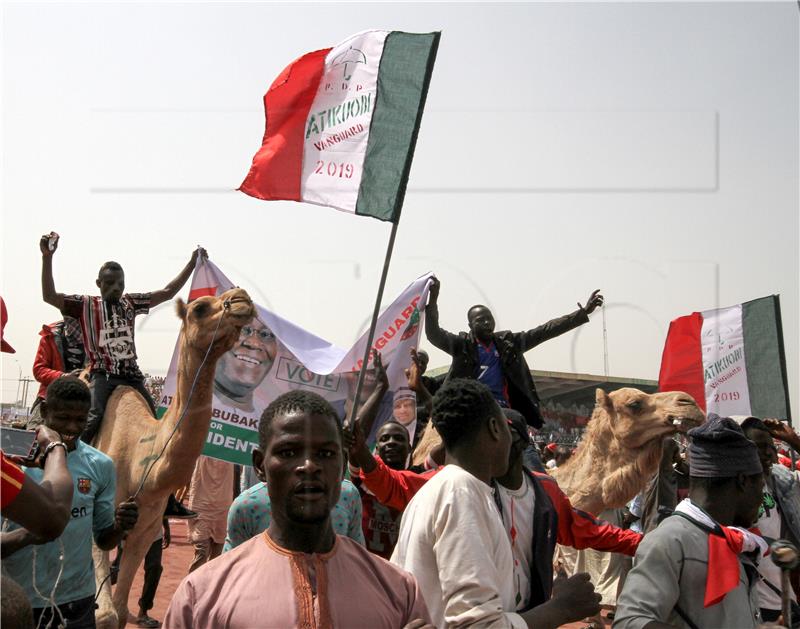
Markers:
point(698, 568)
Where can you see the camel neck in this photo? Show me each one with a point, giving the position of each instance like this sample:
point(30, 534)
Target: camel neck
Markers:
point(191, 406)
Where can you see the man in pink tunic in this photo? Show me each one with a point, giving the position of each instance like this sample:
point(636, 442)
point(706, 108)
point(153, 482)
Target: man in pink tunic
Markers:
point(299, 573)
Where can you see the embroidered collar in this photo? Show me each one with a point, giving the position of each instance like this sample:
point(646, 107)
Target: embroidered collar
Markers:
point(295, 553)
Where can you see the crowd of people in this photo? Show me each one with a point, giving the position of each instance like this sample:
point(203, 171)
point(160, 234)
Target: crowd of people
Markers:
point(330, 528)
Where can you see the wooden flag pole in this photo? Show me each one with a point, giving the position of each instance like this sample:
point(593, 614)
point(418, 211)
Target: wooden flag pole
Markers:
point(371, 335)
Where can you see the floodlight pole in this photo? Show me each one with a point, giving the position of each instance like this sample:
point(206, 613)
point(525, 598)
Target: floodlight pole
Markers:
point(371, 335)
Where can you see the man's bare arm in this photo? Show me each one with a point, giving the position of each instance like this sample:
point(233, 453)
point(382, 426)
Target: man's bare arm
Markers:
point(49, 293)
point(415, 383)
point(369, 410)
point(170, 290)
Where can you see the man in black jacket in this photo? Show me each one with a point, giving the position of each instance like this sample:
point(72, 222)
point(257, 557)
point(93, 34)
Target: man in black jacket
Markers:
point(496, 358)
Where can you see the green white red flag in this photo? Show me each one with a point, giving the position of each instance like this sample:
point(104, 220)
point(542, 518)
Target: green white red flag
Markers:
point(342, 124)
point(731, 360)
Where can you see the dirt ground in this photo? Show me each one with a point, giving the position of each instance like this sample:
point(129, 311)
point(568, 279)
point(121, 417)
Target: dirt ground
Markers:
point(176, 562)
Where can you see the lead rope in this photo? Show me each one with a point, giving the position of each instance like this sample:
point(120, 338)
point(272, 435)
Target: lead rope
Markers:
point(52, 598)
point(605, 336)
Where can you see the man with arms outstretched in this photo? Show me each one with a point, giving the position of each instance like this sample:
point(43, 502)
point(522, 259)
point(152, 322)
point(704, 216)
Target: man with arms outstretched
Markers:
point(497, 358)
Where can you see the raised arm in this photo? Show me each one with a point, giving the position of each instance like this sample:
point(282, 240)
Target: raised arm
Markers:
point(359, 456)
point(392, 488)
point(170, 290)
point(784, 432)
point(415, 383)
point(560, 325)
point(49, 294)
point(369, 410)
point(444, 340)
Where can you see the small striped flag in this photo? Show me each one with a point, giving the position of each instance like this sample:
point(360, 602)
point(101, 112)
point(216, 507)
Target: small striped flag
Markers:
point(731, 360)
point(342, 124)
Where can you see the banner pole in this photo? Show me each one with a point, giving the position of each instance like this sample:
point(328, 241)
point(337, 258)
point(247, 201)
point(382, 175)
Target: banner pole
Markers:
point(371, 335)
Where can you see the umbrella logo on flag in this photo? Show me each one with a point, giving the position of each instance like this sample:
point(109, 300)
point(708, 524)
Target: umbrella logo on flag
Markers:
point(349, 59)
point(413, 324)
point(722, 340)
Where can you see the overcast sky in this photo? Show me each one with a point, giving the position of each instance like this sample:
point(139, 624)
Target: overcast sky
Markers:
point(648, 149)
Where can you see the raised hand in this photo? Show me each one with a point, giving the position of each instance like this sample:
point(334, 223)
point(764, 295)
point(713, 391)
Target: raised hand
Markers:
point(202, 253)
point(595, 300)
point(413, 373)
point(348, 438)
point(380, 371)
point(357, 450)
point(783, 431)
point(433, 291)
point(44, 244)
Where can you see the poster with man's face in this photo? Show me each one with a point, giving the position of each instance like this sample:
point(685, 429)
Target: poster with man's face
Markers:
point(242, 369)
point(273, 356)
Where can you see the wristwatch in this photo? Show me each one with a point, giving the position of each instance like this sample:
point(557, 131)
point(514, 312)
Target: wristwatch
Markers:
point(49, 448)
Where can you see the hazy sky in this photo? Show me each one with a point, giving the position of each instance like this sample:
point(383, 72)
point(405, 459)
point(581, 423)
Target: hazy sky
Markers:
point(647, 149)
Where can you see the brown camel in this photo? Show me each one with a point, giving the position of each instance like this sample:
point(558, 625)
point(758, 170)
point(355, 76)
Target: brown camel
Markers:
point(621, 448)
point(133, 438)
point(429, 440)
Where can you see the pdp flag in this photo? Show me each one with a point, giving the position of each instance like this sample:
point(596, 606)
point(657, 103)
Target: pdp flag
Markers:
point(731, 360)
point(342, 124)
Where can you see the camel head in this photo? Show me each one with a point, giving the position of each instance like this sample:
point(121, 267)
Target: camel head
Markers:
point(218, 318)
point(637, 418)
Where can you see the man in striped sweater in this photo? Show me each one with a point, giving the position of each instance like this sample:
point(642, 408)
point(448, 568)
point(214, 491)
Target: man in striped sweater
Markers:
point(107, 325)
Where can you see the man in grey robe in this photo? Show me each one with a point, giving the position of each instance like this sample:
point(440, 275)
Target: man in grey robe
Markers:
point(672, 583)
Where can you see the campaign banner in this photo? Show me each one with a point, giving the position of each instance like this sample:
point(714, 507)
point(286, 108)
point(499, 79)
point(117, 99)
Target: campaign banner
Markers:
point(273, 356)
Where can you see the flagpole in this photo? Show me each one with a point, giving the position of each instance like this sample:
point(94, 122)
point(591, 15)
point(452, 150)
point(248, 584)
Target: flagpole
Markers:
point(372, 325)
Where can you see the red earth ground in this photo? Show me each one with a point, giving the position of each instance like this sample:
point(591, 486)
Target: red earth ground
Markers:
point(176, 562)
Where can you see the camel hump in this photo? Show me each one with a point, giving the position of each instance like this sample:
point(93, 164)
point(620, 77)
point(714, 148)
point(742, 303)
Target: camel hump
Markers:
point(127, 401)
